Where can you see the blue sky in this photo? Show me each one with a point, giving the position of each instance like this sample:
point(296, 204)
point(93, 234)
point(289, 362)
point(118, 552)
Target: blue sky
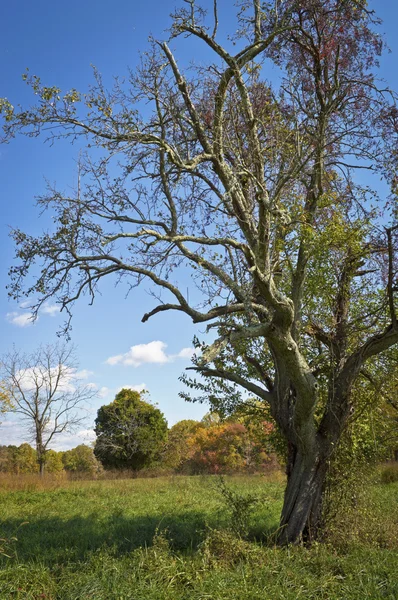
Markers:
point(59, 41)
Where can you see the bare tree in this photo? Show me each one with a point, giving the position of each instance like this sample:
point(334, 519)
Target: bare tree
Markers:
point(254, 188)
point(45, 389)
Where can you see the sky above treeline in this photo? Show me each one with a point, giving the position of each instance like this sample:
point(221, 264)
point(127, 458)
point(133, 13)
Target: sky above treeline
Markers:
point(60, 42)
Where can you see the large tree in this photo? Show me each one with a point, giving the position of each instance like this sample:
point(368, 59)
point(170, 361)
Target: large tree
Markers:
point(131, 433)
point(45, 392)
point(256, 188)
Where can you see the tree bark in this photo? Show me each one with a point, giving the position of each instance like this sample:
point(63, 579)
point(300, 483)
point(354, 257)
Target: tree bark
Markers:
point(302, 507)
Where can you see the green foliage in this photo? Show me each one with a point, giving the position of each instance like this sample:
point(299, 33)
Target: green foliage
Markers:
point(22, 460)
point(81, 460)
point(178, 443)
point(389, 473)
point(240, 507)
point(25, 460)
point(131, 433)
point(53, 462)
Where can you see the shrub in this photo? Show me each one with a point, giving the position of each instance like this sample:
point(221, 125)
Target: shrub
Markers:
point(389, 473)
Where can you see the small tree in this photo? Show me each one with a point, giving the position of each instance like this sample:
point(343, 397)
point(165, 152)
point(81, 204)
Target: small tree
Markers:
point(131, 433)
point(46, 392)
point(25, 460)
point(81, 460)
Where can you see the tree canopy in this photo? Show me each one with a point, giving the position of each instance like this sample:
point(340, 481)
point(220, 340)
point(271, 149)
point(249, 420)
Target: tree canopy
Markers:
point(131, 433)
point(258, 189)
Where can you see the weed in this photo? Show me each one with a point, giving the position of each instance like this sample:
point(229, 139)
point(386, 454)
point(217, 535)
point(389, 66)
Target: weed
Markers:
point(239, 506)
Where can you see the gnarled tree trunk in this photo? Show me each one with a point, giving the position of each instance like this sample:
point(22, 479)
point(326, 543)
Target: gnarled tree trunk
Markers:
point(302, 507)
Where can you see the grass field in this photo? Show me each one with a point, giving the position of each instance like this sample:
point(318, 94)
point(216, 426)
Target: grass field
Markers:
point(170, 538)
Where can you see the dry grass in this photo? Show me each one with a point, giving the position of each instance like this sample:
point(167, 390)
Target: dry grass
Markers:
point(32, 482)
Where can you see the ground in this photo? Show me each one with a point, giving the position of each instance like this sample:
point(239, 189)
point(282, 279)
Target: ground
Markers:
point(172, 538)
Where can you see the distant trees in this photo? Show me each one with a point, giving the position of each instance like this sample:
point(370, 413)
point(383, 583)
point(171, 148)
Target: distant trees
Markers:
point(22, 460)
point(226, 447)
point(213, 445)
point(131, 433)
point(178, 445)
point(43, 387)
point(81, 460)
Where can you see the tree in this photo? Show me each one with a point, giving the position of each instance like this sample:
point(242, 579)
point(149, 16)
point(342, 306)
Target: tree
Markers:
point(45, 390)
point(131, 433)
point(81, 460)
point(177, 448)
point(24, 459)
point(255, 188)
point(224, 448)
point(54, 462)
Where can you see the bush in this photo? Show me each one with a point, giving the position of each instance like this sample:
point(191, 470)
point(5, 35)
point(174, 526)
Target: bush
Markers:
point(389, 473)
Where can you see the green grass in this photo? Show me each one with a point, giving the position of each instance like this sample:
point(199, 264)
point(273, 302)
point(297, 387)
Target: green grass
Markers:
point(169, 538)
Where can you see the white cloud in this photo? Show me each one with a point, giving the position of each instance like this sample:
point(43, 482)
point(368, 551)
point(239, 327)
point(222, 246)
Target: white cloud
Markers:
point(114, 360)
point(30, 378)
point(50, 309)
point(67, 441)
point(140, 387)
point(25, 319)
point(153, 352)
point(92, 386)
point(186, 353)
point(13, 432)
point(86, 434)
point(103, 392)
point(83, 374)
point(25, 304)
point(20, 319)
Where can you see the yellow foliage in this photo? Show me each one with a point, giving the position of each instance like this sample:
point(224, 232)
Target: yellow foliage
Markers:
point(5, 400)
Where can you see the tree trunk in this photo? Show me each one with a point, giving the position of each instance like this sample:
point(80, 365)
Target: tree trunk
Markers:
point(302, 507)
point(41, 467)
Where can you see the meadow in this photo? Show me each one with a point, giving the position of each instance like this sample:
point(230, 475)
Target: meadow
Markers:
point(173, 538)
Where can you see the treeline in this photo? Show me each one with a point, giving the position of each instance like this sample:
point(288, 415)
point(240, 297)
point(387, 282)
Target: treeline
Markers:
point(133, 435)
point(20, 460)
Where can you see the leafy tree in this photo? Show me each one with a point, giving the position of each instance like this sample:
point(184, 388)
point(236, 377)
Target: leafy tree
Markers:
point(54, 462)
point(4, 459)
point(131, 433)
point(178, 446)
point(44, 389)
point(224, 448)
point(81, 460)
point(25, 460)
point(254, 188)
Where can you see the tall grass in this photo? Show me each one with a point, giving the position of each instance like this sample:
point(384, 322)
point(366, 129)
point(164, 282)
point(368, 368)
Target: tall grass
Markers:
point(171, 538)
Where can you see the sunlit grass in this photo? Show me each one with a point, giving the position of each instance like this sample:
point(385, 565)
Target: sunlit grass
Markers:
point(170, 538)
